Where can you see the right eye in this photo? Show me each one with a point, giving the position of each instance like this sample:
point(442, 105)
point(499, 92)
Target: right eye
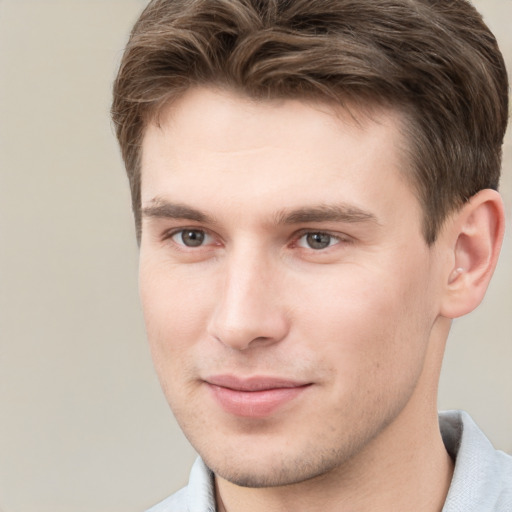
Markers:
point(191, 237)
point(317, 240)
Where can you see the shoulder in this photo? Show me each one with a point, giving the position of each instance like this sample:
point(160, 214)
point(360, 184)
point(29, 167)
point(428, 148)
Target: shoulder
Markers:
point(175, 503)
point(482, 479)
point(199, 495)
point(503, 473)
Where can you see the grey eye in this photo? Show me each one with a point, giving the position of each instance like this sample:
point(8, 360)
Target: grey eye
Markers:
point(318, 240)
point(190, 237)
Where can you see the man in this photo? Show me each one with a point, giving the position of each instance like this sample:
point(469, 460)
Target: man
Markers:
point(314, 188)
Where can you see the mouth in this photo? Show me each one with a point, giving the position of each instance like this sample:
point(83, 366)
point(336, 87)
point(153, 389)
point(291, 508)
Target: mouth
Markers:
point(254, 397)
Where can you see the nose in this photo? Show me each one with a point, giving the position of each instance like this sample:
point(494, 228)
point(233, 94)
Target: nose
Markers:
point(249, 312)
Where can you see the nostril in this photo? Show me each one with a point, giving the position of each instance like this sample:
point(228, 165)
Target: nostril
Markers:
point(247, 336)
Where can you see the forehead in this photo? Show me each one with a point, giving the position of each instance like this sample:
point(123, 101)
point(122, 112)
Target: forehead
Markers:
point(278, 153)
point(219, 112)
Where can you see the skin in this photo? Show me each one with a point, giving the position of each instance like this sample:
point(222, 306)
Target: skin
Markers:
point(361, 321)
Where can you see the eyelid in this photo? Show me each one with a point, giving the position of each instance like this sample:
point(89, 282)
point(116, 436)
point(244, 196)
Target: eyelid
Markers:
point(305, 245)
point(340, 237)
point(170, 233)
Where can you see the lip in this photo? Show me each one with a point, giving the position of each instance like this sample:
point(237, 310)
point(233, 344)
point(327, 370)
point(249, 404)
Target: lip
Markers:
point(253, 397)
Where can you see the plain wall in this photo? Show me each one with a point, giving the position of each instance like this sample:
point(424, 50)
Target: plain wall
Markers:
point(83, 423)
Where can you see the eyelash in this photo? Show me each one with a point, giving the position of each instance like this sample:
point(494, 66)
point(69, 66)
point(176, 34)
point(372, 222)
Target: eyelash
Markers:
point(333, 239)
point(169, 235)
point(336, 238)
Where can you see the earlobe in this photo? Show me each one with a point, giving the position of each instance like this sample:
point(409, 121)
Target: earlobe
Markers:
point(477, 235)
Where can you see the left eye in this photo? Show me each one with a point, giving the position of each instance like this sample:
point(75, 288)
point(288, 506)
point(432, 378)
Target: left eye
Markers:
point(191, 237)
point(317, 240)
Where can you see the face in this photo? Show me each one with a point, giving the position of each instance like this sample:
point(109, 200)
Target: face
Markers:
point(288, 293)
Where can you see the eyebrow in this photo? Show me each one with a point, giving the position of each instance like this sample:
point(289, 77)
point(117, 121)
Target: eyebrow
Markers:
point(326, 213)
point(160, 208)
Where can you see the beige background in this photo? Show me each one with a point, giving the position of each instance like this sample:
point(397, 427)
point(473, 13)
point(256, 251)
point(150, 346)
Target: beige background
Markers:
point(83, 424)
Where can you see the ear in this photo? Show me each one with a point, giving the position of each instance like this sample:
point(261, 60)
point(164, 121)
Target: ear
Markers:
point(475, 235)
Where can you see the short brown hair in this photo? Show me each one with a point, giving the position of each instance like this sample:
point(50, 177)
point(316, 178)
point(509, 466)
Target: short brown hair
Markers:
point(434, 60)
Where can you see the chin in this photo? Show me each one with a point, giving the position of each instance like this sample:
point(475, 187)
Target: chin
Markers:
point(273, 470)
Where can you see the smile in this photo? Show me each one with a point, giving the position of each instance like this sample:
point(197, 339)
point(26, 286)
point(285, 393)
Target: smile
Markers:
point(256, 397)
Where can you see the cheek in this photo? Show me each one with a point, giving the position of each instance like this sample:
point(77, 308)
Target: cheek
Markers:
point(372, 347)
point(367, 326)
point(175, 312)
point(176, 306)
